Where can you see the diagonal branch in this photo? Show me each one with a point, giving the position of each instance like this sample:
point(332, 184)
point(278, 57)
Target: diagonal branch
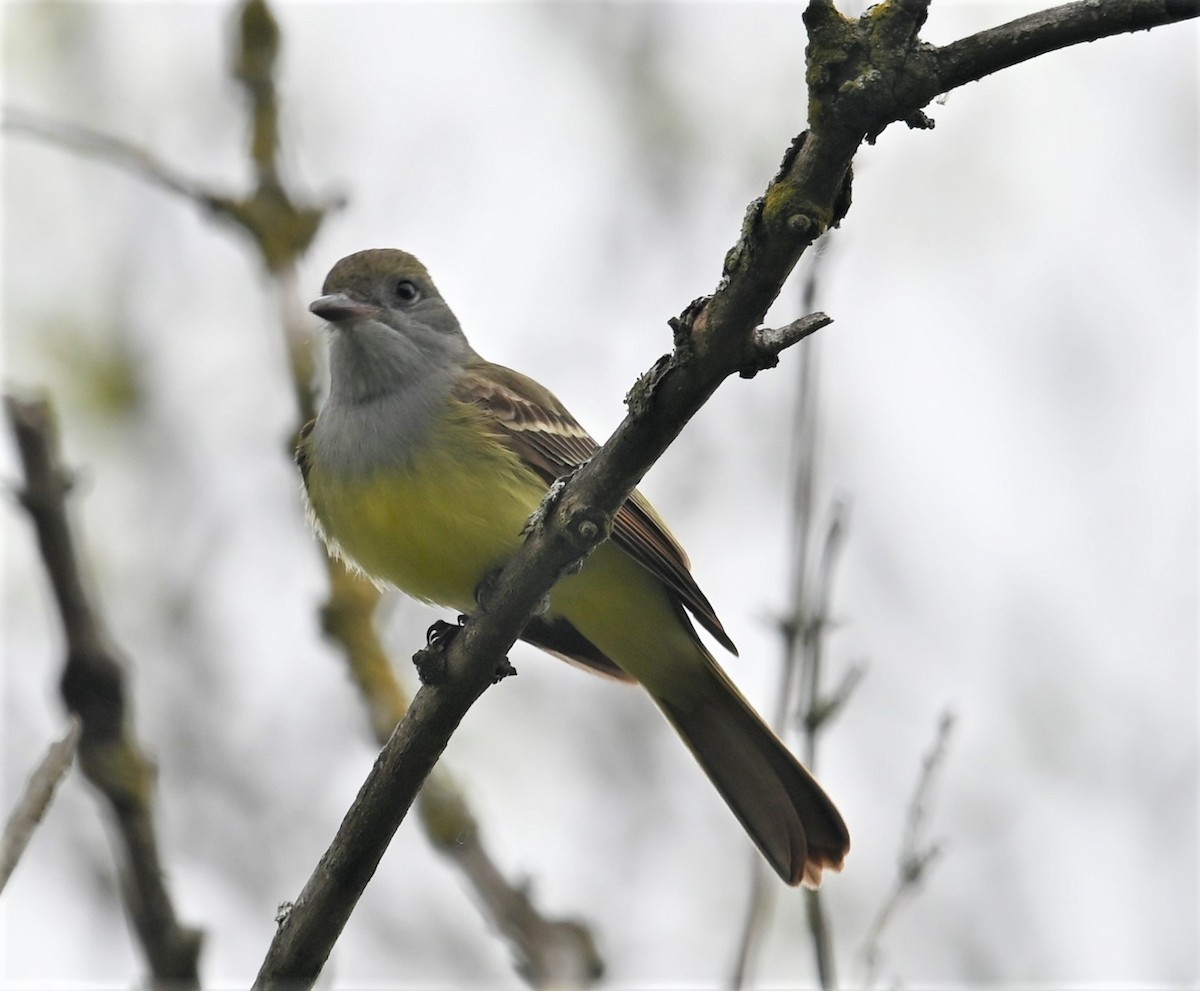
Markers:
point(551, 953)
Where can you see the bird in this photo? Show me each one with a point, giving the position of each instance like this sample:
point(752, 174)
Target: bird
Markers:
point(421, 469)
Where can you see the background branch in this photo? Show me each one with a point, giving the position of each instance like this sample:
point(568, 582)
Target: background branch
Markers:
point(800, 657)
point(917, 853)
point(94, 689)
point(39, 791)
point(110, 150)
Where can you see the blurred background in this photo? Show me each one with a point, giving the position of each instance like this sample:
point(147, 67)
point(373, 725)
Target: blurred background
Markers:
point(1008, 407)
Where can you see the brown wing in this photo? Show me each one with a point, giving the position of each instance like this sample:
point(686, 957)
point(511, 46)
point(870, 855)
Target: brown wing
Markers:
point(541, 431)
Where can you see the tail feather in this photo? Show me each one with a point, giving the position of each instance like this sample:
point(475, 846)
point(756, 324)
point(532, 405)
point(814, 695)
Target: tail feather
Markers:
point(779, 803)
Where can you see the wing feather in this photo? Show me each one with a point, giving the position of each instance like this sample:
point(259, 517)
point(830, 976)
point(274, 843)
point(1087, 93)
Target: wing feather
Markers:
point(542, 432)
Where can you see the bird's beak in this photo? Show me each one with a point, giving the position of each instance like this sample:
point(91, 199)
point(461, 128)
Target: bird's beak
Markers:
point(337, 307)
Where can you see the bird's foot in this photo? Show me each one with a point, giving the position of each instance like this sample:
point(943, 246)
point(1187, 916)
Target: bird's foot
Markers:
point(430, 661)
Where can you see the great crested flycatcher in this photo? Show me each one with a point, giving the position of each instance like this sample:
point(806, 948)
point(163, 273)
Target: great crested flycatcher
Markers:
point(423, 467)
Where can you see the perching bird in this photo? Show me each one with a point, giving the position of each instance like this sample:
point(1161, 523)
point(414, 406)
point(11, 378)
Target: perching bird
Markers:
point(422, 468)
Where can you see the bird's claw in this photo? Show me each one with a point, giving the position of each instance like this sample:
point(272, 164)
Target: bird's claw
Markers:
point(430, 660)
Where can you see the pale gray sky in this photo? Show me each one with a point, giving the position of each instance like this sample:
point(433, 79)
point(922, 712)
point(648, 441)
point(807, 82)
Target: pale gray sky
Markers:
point(1008, 404)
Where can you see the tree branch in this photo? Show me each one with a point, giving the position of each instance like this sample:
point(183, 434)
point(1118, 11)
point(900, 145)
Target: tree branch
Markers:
point(868, 73)
point(1018, 41)
point(93, 687)
point(549, 952)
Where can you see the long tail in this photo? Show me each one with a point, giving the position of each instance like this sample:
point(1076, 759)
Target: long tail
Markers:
point(781, 806)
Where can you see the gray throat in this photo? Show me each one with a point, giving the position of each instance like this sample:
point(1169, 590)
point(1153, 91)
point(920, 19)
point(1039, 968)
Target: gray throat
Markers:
point(381, 431)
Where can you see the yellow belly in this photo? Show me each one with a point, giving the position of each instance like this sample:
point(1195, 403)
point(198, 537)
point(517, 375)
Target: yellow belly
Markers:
point(455, 514)
point(437, 527)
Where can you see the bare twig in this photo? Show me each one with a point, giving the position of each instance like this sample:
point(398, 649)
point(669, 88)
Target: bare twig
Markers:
point(110, 150)
point(1018, 41)
point(760, 907)
point(551, 953)
point(39, 791)
point(917, 853)
point(281, 227)
point(821, 935)
point(814, 617)
point(803, 631)
point(93, 687)
point(813, 709)
point(771, 341)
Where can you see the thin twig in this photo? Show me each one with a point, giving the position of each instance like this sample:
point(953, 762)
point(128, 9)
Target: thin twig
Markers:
point(917, 853)
point(812, 709)
point(1010, 44)
point(94, 689)
point(32, 806)
point(111, 150)
point(550, 953)
point(802, 631)
point(281, 226)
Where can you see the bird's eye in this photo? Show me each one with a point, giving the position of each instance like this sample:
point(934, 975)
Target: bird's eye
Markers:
point(407, 292)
